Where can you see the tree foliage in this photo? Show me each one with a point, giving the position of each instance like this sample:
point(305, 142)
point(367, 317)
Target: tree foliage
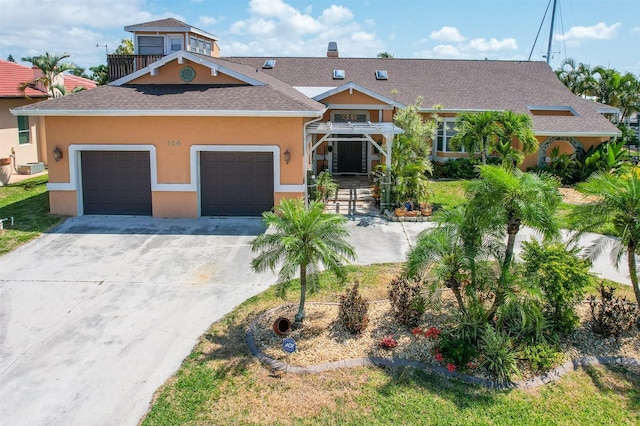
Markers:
point(51, 67)
point(125, 47)
point(303, 240)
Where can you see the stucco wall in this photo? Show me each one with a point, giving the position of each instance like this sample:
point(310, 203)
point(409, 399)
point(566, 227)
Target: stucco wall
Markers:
point(169, 74)
point(27, 153)
point(172, 138)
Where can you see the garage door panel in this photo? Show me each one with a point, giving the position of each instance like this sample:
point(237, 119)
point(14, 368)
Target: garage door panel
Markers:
point(116, 182)
point(236, 183)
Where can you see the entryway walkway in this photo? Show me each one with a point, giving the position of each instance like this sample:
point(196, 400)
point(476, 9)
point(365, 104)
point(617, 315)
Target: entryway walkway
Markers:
point(354, 197)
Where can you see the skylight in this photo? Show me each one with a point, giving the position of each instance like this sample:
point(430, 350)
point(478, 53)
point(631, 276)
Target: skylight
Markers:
point(338, 74)
point(553, 110)
point(269, 64)
point(382, 75)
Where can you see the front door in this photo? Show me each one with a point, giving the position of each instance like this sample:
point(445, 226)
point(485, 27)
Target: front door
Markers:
point(350, 157)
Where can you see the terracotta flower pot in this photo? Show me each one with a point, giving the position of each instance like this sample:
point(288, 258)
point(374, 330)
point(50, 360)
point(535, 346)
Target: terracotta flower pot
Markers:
point(5, 161)
point(281, 326)
point(400, 212)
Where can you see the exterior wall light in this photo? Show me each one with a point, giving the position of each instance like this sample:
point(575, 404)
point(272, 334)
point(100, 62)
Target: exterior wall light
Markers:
point(287, 156)
point(57, 154)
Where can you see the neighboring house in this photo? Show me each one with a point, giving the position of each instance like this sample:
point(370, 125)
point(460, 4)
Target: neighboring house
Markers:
point(193, 134)
point(20, 135)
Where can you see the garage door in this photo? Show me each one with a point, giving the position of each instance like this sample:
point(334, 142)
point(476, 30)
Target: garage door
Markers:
point(236, 183)
point(116, 182)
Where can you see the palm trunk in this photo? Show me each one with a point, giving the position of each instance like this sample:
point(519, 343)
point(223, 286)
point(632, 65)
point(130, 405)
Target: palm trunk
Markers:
point(299, 318)
point(512, 230)
point(633, 273)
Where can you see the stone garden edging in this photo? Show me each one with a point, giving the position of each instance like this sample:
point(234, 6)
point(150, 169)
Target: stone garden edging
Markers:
point(392, 363)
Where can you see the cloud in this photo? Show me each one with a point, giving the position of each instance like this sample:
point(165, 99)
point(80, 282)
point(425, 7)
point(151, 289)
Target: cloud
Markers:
point(491, 45)
point(450, 34)
point(274, 27)
point(635, 30)
point(600, 31)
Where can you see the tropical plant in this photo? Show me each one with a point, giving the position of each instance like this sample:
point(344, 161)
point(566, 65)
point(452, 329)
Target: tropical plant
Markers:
point(614, 199)
point(385, 55)
point(100, 74)
point(561, 275)
point(125, 47)
point(476, 132)
point(325, 186)
point(406, 299)
point(499, 356)
point(514, 127)
point(505, 200)
point(448, 253)
point(51, 67)
point(303, 239)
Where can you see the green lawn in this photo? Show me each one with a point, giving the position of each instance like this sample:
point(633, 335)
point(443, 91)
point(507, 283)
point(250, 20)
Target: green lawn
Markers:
point(28, 203)
point(220, 383)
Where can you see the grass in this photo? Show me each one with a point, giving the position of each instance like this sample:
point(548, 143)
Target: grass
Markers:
point(447, 193)
point(220, 383)
point(28, 203)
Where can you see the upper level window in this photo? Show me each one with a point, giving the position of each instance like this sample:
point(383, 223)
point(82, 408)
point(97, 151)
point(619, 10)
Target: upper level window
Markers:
point(446, 130)
point(175, 43)
point(150, 45)
point(24, 134)
point(199, 45)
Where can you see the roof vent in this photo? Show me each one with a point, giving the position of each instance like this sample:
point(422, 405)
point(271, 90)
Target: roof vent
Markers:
point(269, 64)
point(382, 75)
point(338, 74)
point(332, 50)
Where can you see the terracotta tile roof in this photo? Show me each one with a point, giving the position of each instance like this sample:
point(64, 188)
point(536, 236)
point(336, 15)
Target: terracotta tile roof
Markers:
point(457, 85)
point(72, 81)
point(11, 76)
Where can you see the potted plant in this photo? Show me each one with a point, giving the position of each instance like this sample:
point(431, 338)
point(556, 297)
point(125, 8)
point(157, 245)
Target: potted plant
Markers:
point(325, 186)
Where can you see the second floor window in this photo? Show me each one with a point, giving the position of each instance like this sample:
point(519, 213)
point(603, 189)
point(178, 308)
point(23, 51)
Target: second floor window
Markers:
point(150, 45)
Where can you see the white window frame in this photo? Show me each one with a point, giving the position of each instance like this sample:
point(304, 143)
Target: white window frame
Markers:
point(24, 131)
point(164, 44)
point(446, 137)
point(171, 37)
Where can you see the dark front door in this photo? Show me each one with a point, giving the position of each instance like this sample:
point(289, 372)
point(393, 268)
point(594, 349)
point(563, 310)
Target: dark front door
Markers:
point(236, 183)
point(116, 182)
point(350, 157)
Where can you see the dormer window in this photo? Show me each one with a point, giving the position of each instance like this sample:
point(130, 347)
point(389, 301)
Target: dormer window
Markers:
point(382, 75)
point(269, 64)
point(338, 74)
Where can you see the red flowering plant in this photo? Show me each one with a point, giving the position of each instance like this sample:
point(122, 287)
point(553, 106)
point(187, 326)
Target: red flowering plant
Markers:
point(388, 342)
point(432, 333)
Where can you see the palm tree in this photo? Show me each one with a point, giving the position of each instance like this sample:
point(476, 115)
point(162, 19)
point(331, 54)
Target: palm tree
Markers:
point(615, 199)
point(476, 132)
point(507, 199)
point(511, 127)
point(304, 239)
point(51, 66)
point(578, 77)
point(450, 252)
point(385, 55)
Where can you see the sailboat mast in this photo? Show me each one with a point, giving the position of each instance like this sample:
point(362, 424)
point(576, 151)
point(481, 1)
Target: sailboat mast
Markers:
point(553, 21)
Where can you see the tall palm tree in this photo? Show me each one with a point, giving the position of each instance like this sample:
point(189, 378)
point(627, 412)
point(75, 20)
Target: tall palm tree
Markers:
point(476, 132)
point(615, 199)
point(51, 66)
point(507, 199)
point(302, 239)
point(578, 77)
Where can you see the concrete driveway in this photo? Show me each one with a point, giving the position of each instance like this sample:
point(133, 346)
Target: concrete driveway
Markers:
point(96, 315)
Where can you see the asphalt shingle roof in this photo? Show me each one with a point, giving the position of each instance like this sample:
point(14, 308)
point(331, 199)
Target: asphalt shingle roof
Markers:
point(456, 85)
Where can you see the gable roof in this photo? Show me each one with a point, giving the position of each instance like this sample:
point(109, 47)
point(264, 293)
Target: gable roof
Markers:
point(13, 75)
point(260, 95)
point(168, 25)
point(456, 85)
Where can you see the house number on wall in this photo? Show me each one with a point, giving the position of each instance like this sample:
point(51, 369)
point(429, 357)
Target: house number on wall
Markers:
point(174, 143)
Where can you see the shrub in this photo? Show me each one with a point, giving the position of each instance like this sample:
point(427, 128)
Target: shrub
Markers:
point(522, 319)
point(470, 326)
point(455, 349)
point(612, 315)
point(325, 186)
point(353, 309)
point(562, 276)
point(499, 357)
point(541, 357)
point(407, 302)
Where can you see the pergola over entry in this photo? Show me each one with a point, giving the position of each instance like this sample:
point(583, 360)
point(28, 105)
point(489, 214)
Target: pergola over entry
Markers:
point(335, 132)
